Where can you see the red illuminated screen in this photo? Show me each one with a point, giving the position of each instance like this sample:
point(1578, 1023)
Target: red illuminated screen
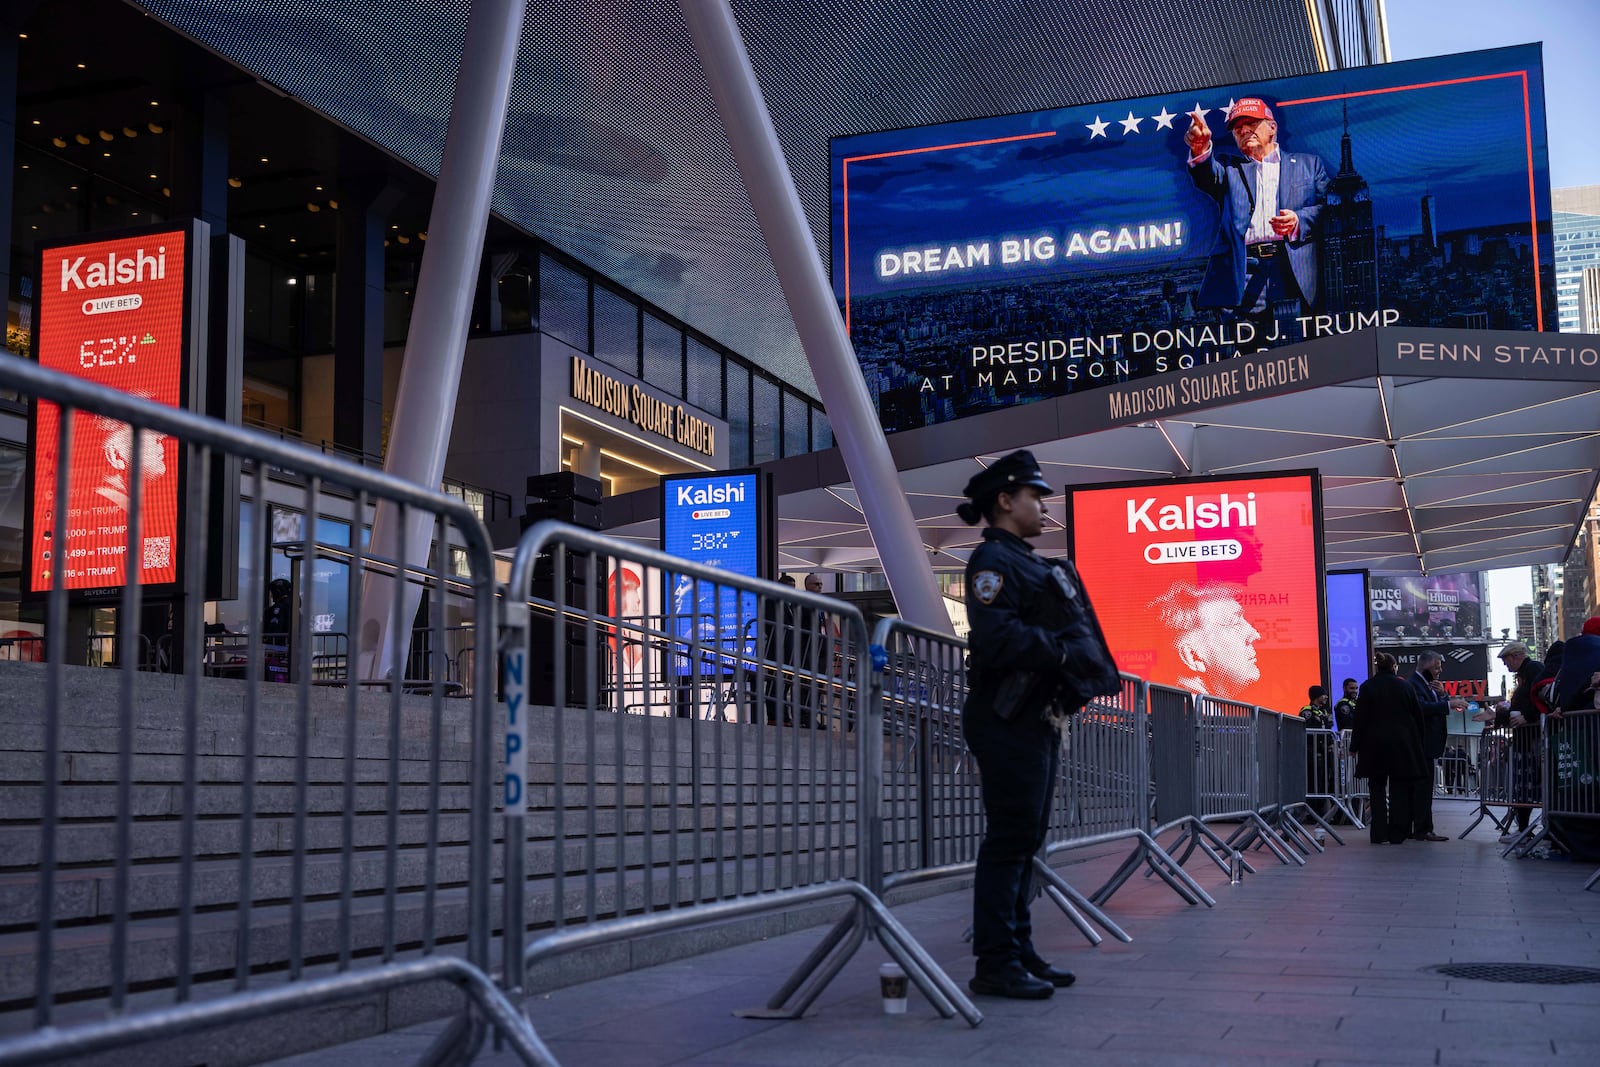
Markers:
point(1210, 586)
point(111, 312)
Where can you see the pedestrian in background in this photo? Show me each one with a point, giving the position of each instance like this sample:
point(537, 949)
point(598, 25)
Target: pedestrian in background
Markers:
point(1387, 741)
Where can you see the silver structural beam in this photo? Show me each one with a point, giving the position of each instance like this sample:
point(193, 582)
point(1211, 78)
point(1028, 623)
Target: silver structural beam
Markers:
point(430, 377)
point(816, 315)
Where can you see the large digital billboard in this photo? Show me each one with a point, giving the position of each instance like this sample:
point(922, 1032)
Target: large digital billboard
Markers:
point(1349, 632)
point(1213, 585)
point(716, 520)
point(999, 261)
point(115, 311)
point(1428, 609)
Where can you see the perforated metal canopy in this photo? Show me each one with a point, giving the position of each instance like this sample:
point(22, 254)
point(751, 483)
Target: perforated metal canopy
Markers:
point(613, 150)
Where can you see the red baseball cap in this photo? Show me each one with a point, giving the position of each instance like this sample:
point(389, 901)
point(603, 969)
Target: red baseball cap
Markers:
point(1249, 107)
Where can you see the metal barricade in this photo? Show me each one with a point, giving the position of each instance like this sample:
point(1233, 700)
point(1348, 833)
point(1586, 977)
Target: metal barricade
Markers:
point(637, 824)
point(1296, 761)
point(1572, 782)
point(1509, 776)
point(1105, 797)
point(298, 845)
point(1329, 772)
point(1230, 766)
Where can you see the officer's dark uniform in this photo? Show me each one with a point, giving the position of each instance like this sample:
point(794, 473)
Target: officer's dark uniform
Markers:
point(1018, 757)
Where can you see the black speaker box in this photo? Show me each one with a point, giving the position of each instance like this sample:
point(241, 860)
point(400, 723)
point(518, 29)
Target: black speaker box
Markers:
point(564, 485)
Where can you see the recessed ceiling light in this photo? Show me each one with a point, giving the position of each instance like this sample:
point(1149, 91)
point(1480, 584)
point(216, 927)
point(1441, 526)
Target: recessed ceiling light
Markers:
point(234, 183)
point(263, 159)
point(73, 187)
point(58, 142)
point(129, 131)
point(319, 188)
point(294, 240)
point(36, 122)
point(152, 175)
point(261, 225)
point(155, 127)
point(106, 154)
point(155, 103)
point(81, 66)
point(25, 166)
point(107, 135)
point(313, 207)
point(81, 138)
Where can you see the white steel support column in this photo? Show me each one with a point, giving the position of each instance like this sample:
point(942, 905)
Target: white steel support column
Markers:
point(816, 315)
point(419, 431)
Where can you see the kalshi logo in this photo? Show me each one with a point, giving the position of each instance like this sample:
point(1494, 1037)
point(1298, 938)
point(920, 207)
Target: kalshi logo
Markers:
point(1204, 515)
point(114, 270)
point(727, 493)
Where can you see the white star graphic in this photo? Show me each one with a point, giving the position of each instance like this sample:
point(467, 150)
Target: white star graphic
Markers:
point(1229, 109)
point(1201, 112)
point(1130, 124)
point(1096, 128)
point(1163, 120)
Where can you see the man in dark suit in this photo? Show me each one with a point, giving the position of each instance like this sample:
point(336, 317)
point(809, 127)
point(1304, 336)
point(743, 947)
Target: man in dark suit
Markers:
point(1264, 265)
point(1387, 742)
point(1436, 706)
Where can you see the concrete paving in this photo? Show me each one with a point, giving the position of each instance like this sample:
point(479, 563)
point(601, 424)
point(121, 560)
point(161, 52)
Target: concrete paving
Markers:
point(1327, 965)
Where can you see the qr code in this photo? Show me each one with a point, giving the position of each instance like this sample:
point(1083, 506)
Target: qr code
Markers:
point(157, 553)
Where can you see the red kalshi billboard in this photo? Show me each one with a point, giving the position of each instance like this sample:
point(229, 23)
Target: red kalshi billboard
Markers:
point(1211, 585)
point(114, 311)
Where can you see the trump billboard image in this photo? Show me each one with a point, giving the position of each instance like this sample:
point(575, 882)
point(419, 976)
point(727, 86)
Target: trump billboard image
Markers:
point(1210, 585)
point(999, 261)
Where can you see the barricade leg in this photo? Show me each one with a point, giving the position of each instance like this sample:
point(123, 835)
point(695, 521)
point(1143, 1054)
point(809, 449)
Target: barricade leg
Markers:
point(1593, 880)
point(1254, 828)
point(1069, 900)
point(1196, 834)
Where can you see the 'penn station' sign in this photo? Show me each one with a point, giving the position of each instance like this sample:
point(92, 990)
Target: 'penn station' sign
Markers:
point(651, 414)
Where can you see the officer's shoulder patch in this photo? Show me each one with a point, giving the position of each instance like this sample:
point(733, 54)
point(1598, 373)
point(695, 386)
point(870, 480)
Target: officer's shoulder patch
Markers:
point(986, 584)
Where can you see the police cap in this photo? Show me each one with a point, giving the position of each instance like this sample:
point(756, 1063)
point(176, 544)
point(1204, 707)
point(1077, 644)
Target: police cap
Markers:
point(1006, 474)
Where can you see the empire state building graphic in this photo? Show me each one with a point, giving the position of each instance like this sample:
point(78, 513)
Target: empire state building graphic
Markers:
point(1350, 252)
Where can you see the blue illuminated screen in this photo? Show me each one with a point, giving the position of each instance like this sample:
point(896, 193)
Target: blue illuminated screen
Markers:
point(1349, 635)
point(1000, 261)
point(712, 519)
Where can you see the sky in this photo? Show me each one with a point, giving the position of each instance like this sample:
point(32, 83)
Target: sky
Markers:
point(1570, 32)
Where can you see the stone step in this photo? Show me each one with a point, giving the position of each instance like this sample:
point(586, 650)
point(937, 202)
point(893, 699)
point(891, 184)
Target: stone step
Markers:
point(89, 893)
point(81, 963)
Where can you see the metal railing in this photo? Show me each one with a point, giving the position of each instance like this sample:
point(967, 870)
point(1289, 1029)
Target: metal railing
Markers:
point(1572, 779)
point(738, 818)
point(1509, 774)
point(1330, 772)
point(283, 867)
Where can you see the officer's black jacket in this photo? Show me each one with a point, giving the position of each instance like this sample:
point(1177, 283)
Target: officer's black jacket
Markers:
point(1024, 625)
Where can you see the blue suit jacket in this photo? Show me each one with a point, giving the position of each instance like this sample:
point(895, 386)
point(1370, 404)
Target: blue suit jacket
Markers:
point(1230, 181)
point(1435, 715)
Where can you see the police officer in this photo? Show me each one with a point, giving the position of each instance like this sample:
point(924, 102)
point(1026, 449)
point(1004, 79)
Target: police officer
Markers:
point(1007, 727)
point(275, 620)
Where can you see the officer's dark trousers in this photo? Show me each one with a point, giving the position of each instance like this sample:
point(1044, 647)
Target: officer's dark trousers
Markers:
point(1018, 761)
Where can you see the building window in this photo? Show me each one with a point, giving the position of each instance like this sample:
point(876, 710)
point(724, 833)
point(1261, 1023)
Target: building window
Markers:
point(705, 378)
point(738, 415)
point(616, 330)
point(796, 425)
point(663, 356)
point(563, 304)
point(766, 420)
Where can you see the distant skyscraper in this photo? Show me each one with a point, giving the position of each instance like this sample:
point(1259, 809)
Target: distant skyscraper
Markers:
point(1577, 239)
point(1589, 300)
point(1430, 222)
point(1349, 244)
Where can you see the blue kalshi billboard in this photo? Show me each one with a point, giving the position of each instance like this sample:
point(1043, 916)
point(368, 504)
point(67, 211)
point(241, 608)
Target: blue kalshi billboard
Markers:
point(999, 261)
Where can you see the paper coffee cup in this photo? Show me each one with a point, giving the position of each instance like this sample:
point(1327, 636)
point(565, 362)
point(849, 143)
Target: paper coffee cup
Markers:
point(892, 980)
